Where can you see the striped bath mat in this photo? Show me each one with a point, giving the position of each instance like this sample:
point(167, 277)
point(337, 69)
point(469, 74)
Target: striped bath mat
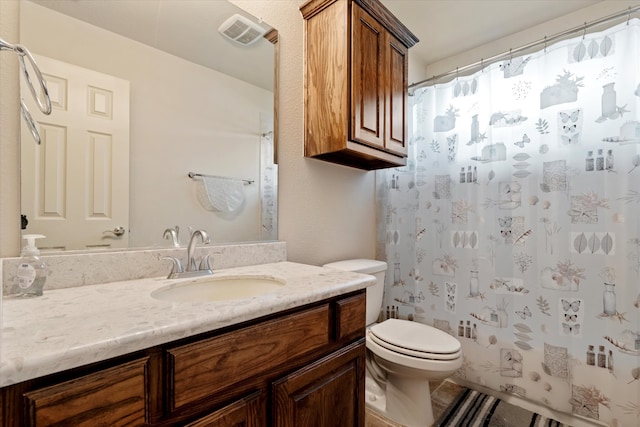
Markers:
point(474, 409)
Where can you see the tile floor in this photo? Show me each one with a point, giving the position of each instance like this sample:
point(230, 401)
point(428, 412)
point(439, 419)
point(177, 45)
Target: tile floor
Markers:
point(442, 395)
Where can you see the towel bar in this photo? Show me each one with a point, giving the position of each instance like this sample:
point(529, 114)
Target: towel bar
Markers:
point(193, 175)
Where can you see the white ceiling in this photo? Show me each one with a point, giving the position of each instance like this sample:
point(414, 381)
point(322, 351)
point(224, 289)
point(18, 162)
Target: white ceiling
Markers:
point(449, 27)
point(184, 28)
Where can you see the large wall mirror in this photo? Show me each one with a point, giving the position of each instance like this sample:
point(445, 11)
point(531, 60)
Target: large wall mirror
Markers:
point(144, 93)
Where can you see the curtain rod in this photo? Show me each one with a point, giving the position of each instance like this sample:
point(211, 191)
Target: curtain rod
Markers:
point(544, 41)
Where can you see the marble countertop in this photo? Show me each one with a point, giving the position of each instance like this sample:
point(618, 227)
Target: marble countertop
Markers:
point(67, 328)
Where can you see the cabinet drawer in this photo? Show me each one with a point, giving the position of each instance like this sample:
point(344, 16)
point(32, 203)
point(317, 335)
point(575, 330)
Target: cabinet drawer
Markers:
point(201, 369)
point(112, 397)
point(351, 316)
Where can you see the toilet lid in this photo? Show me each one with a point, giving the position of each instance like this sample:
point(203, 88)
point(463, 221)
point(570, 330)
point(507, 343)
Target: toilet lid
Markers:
point(415, 339)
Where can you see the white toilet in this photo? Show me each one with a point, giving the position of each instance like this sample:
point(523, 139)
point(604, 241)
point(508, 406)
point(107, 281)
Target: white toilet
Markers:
point(403, 356)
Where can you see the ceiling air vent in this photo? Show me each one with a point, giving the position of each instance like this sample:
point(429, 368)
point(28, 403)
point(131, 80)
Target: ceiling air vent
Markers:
point(241, 30)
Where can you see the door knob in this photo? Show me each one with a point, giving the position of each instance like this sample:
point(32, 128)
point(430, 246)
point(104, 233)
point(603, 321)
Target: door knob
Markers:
point(118, 231)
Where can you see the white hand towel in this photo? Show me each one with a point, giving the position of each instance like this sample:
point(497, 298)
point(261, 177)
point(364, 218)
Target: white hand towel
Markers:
point(221, 194)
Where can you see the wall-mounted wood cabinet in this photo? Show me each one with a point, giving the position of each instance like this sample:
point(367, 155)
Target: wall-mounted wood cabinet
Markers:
point(356, 66)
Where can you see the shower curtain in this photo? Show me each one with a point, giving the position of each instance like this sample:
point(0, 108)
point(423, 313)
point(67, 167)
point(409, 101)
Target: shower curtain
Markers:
point(515, 225)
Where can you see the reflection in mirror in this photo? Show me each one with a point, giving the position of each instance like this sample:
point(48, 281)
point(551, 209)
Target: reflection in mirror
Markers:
point(143, 93)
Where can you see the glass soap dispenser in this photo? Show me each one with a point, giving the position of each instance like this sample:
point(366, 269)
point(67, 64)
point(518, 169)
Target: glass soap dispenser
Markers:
point(32, 270)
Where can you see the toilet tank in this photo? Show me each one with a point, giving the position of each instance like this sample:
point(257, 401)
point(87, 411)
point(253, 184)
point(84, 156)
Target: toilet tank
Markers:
point(375, 292)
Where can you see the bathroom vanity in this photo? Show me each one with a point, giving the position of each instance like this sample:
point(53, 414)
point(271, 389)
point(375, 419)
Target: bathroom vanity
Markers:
point(112, 355)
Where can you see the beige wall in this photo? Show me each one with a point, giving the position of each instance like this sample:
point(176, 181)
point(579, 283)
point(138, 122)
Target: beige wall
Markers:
point(326, 211)
point(9, 128)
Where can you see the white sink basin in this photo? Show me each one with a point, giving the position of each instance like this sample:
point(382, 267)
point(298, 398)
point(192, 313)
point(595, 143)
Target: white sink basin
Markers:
point(218, 288)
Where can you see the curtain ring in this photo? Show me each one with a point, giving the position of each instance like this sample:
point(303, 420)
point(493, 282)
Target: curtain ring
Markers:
point(584, 31)
point(457, 73)
point(545, 44)
point(628, 15)
point(510, 54)
point(482, 65)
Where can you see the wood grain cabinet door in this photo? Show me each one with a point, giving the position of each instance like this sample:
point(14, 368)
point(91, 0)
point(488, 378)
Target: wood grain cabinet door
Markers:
point(241, 413)
point(327, 393)
point(396, 64)
point(367, 79)
point(379, 85)
point(112, 397)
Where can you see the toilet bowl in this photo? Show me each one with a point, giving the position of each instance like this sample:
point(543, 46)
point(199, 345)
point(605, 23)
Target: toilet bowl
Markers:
point(411, 354)
point(402, 356)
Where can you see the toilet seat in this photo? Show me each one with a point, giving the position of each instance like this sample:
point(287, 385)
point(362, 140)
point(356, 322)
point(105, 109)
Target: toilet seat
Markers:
point(415, 340)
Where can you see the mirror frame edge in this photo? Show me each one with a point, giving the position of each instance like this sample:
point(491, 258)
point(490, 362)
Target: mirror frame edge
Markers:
point(272, 36)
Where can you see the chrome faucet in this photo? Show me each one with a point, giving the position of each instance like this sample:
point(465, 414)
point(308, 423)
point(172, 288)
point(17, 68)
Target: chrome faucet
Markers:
point(192, 264)
point(194, 268)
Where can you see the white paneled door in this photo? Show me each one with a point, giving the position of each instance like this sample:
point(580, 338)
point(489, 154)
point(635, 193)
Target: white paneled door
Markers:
point(75, 185)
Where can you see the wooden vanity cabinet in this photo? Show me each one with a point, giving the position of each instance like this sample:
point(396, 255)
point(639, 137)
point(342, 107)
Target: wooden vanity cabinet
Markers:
point(303, 367)
point(356, 71)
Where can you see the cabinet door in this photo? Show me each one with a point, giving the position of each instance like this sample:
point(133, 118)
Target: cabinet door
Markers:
point(367, 79)
point(396, 96)
point(327, 393)
point(242, 413)
point(113, 397)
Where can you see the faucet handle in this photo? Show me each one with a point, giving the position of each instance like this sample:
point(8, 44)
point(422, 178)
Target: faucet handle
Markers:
point(172, 233)
point(205, 263)
point(176, 268)
point(204, 235)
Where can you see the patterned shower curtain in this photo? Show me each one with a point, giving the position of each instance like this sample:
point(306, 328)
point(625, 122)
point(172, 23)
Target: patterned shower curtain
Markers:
point(515, 226)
